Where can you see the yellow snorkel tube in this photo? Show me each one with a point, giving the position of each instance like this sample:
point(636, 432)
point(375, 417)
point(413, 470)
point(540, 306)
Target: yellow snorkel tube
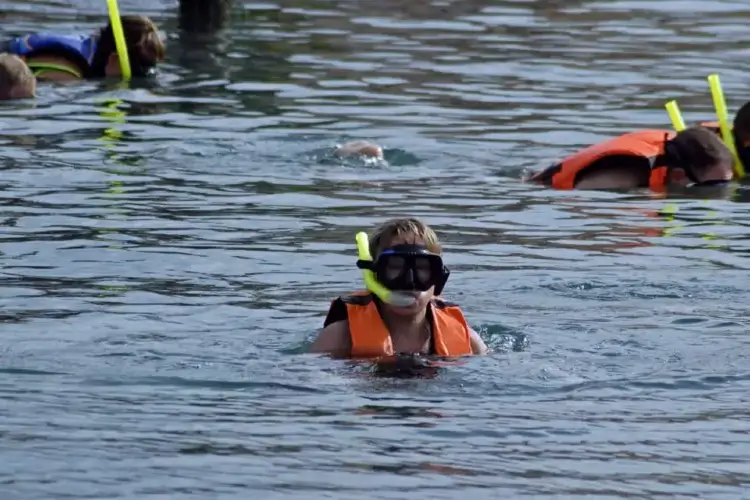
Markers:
point(373, 285)
point(673, 110)
point(721, 114)
point(119, 34)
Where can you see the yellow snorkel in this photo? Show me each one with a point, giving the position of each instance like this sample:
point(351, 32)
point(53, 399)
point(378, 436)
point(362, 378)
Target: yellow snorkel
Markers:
point(673, 110)
point(373, 285)
point(119, 34)
point(721, 114)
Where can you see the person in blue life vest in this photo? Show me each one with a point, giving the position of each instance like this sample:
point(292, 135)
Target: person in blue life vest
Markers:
point(58, 57)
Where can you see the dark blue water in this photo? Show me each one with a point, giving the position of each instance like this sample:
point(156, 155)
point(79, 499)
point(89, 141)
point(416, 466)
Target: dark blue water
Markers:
point(168, 250)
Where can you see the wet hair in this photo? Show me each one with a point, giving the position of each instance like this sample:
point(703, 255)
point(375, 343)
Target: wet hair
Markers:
point(699, 149)
point(742, 125)
point(16, 79)
point(145, 47)
point(383, 235)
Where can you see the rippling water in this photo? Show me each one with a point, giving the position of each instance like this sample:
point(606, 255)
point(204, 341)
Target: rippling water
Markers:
point(166, 259)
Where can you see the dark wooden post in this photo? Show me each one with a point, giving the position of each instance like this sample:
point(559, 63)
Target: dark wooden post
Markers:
point(204, 16)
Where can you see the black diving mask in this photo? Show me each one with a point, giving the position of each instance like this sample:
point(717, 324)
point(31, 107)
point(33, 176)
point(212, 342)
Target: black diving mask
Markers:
point(408, 268)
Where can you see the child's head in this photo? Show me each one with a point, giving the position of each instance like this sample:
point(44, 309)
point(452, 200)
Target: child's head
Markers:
point(145, 48)
point(16, 79)
point(407, 255)
point(403, 231)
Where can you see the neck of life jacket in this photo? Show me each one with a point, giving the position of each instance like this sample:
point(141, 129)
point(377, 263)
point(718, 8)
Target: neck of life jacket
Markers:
point(408, 268)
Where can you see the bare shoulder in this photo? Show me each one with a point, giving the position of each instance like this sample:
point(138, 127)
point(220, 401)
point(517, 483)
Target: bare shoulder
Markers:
point(334, 339)
point(477, 344)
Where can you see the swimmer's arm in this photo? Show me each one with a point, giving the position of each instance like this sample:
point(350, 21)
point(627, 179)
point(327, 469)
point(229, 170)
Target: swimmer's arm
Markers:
point(477, 344)
point(334, 340)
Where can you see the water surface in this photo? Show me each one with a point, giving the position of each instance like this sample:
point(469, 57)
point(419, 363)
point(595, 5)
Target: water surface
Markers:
point(168, 250)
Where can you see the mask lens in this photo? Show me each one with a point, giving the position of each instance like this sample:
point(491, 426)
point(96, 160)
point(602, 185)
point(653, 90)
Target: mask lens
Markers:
point(408, 267)
point(395, 266)
point(423, 269)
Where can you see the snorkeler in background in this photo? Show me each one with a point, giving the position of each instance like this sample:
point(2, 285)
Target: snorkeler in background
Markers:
point(16, 79)
point(75, 57)
point(408, 260)
point(655, 159)
point(361, 148)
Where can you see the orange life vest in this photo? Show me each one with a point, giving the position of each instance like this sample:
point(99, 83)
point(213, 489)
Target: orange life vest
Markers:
point(371, 338)
point(712, 126)
point(646, 144)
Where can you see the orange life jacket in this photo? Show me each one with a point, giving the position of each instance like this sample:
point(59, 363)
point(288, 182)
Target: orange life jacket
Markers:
point(646, 144)
point(712, 126)
point(371, 338)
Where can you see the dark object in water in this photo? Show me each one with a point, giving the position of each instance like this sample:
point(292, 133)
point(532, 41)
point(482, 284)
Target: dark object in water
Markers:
point(406, 366)
point(204, 16)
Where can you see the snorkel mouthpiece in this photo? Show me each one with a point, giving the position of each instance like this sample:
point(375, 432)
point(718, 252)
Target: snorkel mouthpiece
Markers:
point(388, 296)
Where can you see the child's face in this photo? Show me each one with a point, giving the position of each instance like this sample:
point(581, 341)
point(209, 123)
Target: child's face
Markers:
point(422, 298)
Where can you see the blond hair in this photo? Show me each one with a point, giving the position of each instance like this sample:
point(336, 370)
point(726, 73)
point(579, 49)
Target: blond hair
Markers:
point(16, 79)
point(383, 235)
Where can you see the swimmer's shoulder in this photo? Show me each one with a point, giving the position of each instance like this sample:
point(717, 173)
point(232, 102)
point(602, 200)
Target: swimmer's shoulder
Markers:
point(334, 339)
point(478, 347)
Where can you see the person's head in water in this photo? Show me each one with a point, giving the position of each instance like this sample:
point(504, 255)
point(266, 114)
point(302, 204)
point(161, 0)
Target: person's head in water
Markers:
point(145, 48)
point(16, 79)
point(741, 129)
point(361, 148)
point(698, 157)
point(408, 258)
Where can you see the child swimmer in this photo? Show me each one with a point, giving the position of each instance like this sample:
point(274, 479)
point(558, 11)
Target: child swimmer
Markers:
point(408, 259)
point(75, 57)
